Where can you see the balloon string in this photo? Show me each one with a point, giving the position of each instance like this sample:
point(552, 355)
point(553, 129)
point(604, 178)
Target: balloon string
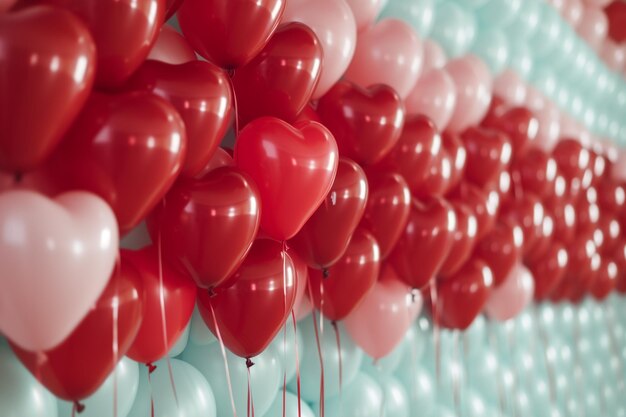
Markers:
point(295, 339)
point(383, 401)
point(231, 74)
point(116, 311)
point(435, 306)
point(320, 355)
point(250, 408)
point(579, 371)
point(150, 370)
point(226, 368)
point(494, 347)
point(284, 256)
point(77, 407)
point(414, 390)
point(516, 376)
point(338, 341)
point(543, 337)
point(610, 324)
point(163, 316)
point(456, 383)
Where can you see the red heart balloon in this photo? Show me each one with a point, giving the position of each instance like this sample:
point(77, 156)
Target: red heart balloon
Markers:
point(549, 270)
point(528, 212)
point(127, 148)
point(388, 209)
point(584, 262)
point(325, 236)
point(611, 231)
point(456, 151)
point(484, 205)
point(48, 66)
point(488, 152)
point(415, 153)
point(464, 240)
point(207, 226)
point(587, 211)
point(520, 125)
point(462, 297)
point(611, 196)
point(366, 123)
point(501, 249)
point(605, 281)
point(544, 238)
point(349, 280)
point(179, 297)
point(200, 92)
point(280, 80)
point(263, 287)
point(171, 47)
point(229, 33)
point(503, 186)
point(77, 367)
point(294, 168)
point(537, 172)
point(573, 162)
point(425, 243)
point(563, 214)
point(618, 255)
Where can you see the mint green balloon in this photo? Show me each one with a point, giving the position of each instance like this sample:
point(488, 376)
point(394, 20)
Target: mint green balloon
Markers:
point(471, 4)
point(21, 395)
point(181, 343)
point(548, 34)
point(417, 13)
point(291, 407)
point(453, 27)
point(351, 358)
point(520, 57)
point(438, 411)
point(525, 22)
point(484, 374)
point(266, 377)
point(491, 45)
point(420, 387)
point(284, 345)
point(396, 398)
point(362, 397)
point(199, 333)
point(498, 13)
point(195, 396)
point(100, 403)
point(474, 405)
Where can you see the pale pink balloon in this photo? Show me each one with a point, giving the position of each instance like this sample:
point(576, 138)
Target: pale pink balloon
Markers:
point(535, 100)
point(613, 55)
point(57, 256)
point(512, 296)
point(333, 23)
point(593, 26)
point(510, 87)
point(171, 47)
point(434, 55)
point(365, 11)
point(572, 12)
point(569, 127)
point(598, 3)
point(618, 171)
point(390, 52)
point(473, 85)
point(557, 4)
point(378, 324)
point(434, 95)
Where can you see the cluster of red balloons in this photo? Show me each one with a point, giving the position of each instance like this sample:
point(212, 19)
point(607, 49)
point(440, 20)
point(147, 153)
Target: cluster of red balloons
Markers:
point(348, 198)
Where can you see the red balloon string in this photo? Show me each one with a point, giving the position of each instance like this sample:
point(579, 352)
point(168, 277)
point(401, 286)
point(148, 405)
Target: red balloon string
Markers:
point(226, 368)
point(295, 341)
point(249, 365)
point(414, 385)
point(319, 349)
point(163, 316)
point(435, 305)
point(231, 74)
point(338, 340)
point(151, 369)
point(284, 255)
point(115, 347)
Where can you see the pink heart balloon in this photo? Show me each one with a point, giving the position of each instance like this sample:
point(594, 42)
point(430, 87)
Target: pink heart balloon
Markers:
point(512, 296)
point(510, 87)
point(390, 52)
point(434, 96)
point(383, 317)
point(57, 256)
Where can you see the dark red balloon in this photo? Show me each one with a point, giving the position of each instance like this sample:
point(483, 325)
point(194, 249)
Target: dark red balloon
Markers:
point(388, 209)
point(563, 214)
point(77, 367)
point(349, 280)
point(520, 125)
point(462, 297)
point(528, 212)
point(200, 92)
point(501, 249)
point(544, 238)
point(255, 303)
point(179, 297)
point(366, 123)
point(325, 236)
point(488, 152)
point(484, 205)
point(438, 179)
point(127, 148)
point(537, 172)
point(294, 168)
point(280, 80)
point(48, 66)
point(425, 243)
point(464, 240)
point(611, 232)
point(549, 270)
point(207, 226)
point(587, 211)
point(229, 33)
point(618, 255)
point(611, 196)
point(573, 161)
point(458, 156)
point(605, 280)
point(584, 262)
point(221, 158)
point(497, 108)
point(616, 15)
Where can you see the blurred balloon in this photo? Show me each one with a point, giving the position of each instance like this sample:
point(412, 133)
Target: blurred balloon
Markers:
point(520, 57)
point(420, 387)
point(484, 205)
point(464, 240)
point(512, 296)
point(499, 13)
point(593, 26)
point(363, 397)
point(171, 47)
point(616, 14)
point(572, 12)
point(285, 344)
point(291, 407)
point(510, 86)
point(434, 56)
point(365, 12)
point(501, 249)
point(613, 55)
point(453, 28)
point(434, 96)
point(488, 153)
point(418, 14)
point(526, 20)
point(491, 45)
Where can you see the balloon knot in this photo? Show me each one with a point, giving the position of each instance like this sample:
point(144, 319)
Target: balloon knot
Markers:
point(151, 367)
point(212, 292)
point(414, 292)
point(79, 407)
point(18, 177)
point(325, 273)
point(231, 72)
point(249, 363)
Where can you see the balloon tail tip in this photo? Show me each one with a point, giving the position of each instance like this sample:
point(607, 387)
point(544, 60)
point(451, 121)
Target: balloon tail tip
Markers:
point(151, 367)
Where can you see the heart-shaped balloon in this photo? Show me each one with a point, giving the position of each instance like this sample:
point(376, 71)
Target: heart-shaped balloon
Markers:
point(484, 205)
point(384, 316)
point(339, 289)
point(171, 47)
point(74, 369)
point(572, 159)
point(520, 125)
point(366, 123)
point(462, 297)
point(325, 236)
point(536, 171)
point(434, 96)
point(544, 238)
point(388, 209)
point(438, 179)
point(528, 212)
point(618, 255)
point(549, 270)
point(48, 65)
point(128, 148)
point(47, 251)
point(280, 80)
point(178, 294)
point(611, 196)
point(464, 240)
point(501, 249)
point(425, 243)
point(512, 296)
point(415, 153)
point(488, 152)
point(563, 215)
point(388, 52)
point(294, 168)
point(611, 231)
point(200, 92)
point(263, 287)
point(458, 155)
point(605, 281)
point(207, 226)
point(229, 33)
